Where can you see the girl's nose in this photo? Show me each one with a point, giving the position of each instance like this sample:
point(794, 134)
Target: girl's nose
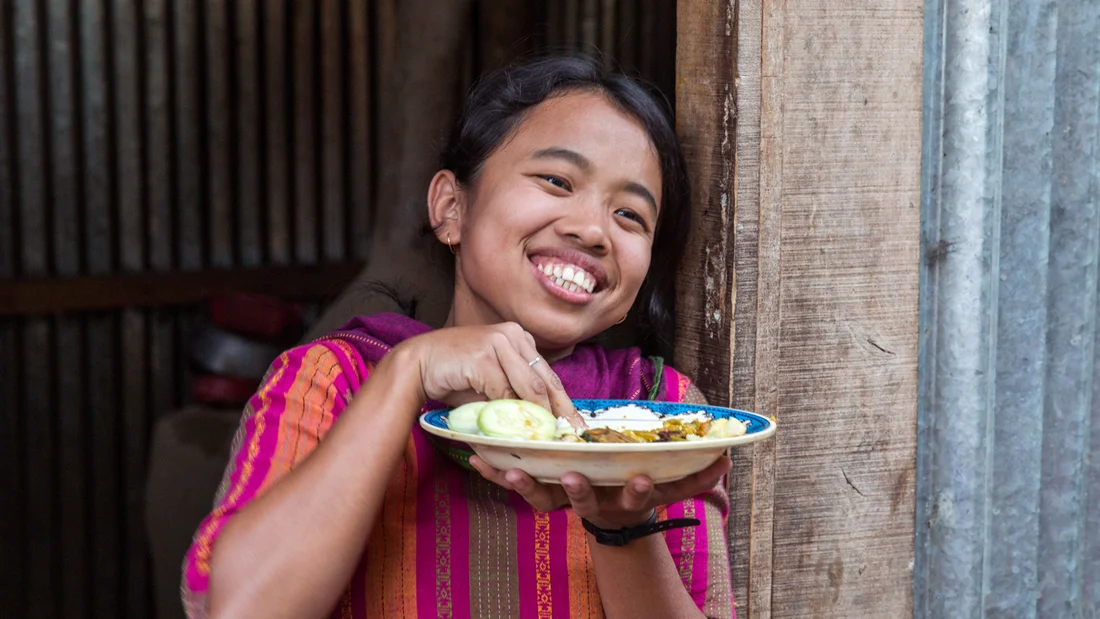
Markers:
point(587, 225)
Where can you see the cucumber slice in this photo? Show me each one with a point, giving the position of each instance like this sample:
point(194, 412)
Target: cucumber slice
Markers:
point(464, 418)
point(517, 419)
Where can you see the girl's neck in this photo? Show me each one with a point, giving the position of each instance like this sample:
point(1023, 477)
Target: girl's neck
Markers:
point(458, 318)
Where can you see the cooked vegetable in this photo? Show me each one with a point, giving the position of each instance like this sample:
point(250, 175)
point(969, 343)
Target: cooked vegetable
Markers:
point(607, 435)
point(517, 419)
point(464, 418)
point(725, 428)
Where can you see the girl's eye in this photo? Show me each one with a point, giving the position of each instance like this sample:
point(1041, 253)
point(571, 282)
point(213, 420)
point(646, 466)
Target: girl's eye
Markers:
point(631, 215)
point(556, 181)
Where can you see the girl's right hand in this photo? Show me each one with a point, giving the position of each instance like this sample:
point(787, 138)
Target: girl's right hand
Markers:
point(467, 364)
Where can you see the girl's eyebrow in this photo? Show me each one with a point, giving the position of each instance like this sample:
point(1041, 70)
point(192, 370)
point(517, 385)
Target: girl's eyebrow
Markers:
point(572, 156)
point(585, 165)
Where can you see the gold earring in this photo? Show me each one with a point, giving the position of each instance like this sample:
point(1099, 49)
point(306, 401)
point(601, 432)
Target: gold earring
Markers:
point(450, 246)
point(623, 319)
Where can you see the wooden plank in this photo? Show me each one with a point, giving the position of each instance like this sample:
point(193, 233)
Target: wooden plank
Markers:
point(128, 119)
point(9, 248)
point(131, 552)
point(752, 472)
point(555, 25)
point(626, 34)
point(98, 158)
point(64, 433)
point(277, 206)
point(190, 160)
point(64, 149)
point(333, 132)
point(159, 144)
point(571, 25)
point(162, 363)
point(41, 560)
point(250, 156)
point(849, 175)
point(608, 30)
point(715, 320)
point(505, 32)
point(105, 465)
point(13, 572)
point(590, 25)
point(72, 463)
point(154, 289)
point(30, 138)
point(135, 433)
point(360, 114)
point(220, 143)
point(11, 469)
point(40, 550)
point(304, 145)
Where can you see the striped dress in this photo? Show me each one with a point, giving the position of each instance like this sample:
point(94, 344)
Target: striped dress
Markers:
point(449, 543)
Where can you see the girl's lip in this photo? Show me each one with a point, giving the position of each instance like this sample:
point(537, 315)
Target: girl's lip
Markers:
point(578, 258)
point(579, 298)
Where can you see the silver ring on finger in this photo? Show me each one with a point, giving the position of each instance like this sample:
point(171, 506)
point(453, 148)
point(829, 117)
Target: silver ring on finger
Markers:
point(532, 362)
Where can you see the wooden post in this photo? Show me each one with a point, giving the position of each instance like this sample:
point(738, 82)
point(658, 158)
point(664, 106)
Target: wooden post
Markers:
point(801, 125)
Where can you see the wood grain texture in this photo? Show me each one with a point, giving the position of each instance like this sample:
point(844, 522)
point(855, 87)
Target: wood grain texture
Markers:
point(32, 297)
point(333, 135)
point(42, 550)
point(9, 250)
point(13, 592)
point(11, 468)
point(849, 192)
point(30, 140)
point(276, 96)
point(817, 261)
point(98, 157)
point(189, 168)
point(361, 74)
point(220, 141)
point(126, 82)
point(64, 138)
point(246, 47)
point(159, 143)
point(304, 149)
point(135, 430)
point(72, 451)
point(107, 508)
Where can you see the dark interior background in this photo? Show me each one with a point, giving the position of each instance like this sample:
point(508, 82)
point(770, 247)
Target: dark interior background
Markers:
point(155, 151)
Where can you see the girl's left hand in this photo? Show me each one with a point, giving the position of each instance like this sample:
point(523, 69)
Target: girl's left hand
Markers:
point(608, 507)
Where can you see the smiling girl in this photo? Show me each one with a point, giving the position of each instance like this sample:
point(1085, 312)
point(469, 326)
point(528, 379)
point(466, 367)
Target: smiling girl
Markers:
point(563, 195)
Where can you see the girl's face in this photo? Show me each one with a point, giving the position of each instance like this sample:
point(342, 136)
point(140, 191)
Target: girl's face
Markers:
point(556, 232)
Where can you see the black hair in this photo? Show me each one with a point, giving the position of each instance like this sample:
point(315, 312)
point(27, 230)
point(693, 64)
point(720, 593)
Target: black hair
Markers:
point(497, 104)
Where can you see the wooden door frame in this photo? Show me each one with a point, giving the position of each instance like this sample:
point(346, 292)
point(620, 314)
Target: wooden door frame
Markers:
point(798, 295)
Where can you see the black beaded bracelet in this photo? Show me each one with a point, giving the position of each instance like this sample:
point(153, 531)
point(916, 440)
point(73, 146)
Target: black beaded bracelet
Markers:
point(625, 535)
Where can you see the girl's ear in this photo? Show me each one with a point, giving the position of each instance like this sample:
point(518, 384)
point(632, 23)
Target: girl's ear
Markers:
point(445, 207)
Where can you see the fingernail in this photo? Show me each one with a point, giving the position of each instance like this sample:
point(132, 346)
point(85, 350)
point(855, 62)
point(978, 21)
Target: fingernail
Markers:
point(571, 487)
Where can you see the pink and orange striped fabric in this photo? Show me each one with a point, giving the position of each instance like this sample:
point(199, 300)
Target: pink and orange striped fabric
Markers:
point(449, 544)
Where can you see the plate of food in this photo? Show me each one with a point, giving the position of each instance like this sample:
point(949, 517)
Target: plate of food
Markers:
point(664, 440)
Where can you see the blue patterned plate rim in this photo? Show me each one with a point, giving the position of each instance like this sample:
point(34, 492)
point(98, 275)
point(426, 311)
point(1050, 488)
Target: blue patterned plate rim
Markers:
point(757, 426)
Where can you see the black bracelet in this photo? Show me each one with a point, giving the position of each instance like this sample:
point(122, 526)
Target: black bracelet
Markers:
point(625, 535)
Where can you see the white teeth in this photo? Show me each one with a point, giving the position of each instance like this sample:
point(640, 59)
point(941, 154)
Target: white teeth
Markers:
point(573, 279)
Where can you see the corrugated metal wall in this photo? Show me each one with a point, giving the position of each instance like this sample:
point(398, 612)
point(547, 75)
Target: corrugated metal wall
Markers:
point(1008, 491)
point(168, 135)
